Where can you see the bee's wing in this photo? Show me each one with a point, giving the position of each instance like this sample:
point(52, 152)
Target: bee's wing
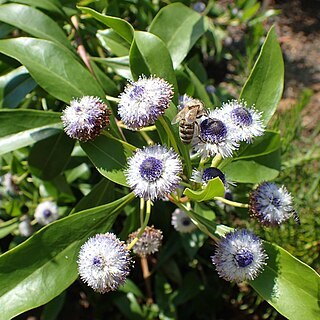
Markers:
point(191, 115)
point(180, 115)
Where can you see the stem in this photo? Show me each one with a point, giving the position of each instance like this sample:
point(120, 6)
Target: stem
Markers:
point(142, 206)
point(146, 276)
point(169, 133)
point(80, 47)
point(114, 99)
point(146, 137)
point(216, 160)
point(232, 203)
point(145, 223)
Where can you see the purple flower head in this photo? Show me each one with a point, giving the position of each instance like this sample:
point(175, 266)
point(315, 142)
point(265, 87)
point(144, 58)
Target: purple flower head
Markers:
point(153, 172)
point(85, 118)
point(239, 256)
point(271, 205)
point(149, 242)
point(104, 262)
point(142, 102)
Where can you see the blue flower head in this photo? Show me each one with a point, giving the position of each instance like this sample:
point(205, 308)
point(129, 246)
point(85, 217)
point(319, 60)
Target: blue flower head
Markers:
point(143, 101)
point(46, 212)
point(239, 256)
point(104, 262)
point(182, 222)
point(153, 172)
point(85, 118)
point(216, 136)
point(271, 205)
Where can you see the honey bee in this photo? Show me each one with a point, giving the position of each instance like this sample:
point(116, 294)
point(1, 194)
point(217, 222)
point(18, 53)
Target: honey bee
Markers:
point(192, 110)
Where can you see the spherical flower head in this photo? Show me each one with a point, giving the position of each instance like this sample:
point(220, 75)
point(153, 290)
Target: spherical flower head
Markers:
point(149, 242)
point(239, 256)
point(143, 101)
point(205, 175)
point(216, 136)
point(104, 262)
point(153, 172)
point(182, 222)
point(271, 205)
point(25, 228)
point(246, 120)
point(46, 212)
point(85, 118)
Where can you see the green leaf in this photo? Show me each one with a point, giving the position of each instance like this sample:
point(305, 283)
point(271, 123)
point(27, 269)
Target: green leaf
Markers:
point(179, 27)
point(261, 146)
point(112, 42)
point(249, 171)
point(53, 67)
point(20, 128)
point(14, 86)
point(50, 5)
point(264, 86)
point(102, 193)
point(289, 285)
point(119, 65)
point(33, 22)
point(49, 157)
point(109, 156)
point(149, 56)
point(120, 26)
point(43, 266)
point(214, 188)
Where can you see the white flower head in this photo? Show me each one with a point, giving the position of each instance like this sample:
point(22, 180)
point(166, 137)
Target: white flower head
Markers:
point(143, 101)
point(246, 120)
point(153, 172)
point(271, 205)
point(104, 262)
point(46, 212)
point(239, 256)
point(149, 242)
point(85, 118)
point(215, 136)
point(25, 227)
point(182, 222)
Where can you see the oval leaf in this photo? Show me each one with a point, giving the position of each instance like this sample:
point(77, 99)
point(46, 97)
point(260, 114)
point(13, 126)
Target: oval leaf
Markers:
point(265, 84)
point(149, 56)
point(50, 5)
point(49, 157)
point(39, 269)
point(14, 86)
point(214, 188)
point(179, 27)
point(120, 26)
point(109, 156)
point(33, 22)
point(20, 128)
point(53, 67)
point(289, 285)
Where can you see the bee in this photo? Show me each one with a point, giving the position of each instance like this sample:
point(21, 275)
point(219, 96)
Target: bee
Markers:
point(192, 110)
point(296, 217)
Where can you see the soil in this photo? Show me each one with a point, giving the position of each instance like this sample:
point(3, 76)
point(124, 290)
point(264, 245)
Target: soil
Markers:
point(298, 28)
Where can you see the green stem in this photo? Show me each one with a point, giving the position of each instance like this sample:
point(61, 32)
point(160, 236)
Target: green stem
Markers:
point(232, 203)
point(216, 160)
point(114, 99)
point(169, 133)
point(145, 223)
point(142, 207)
point(146, 137)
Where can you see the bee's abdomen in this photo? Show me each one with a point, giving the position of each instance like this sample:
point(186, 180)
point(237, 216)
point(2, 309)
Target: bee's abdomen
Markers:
point(186, 131)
